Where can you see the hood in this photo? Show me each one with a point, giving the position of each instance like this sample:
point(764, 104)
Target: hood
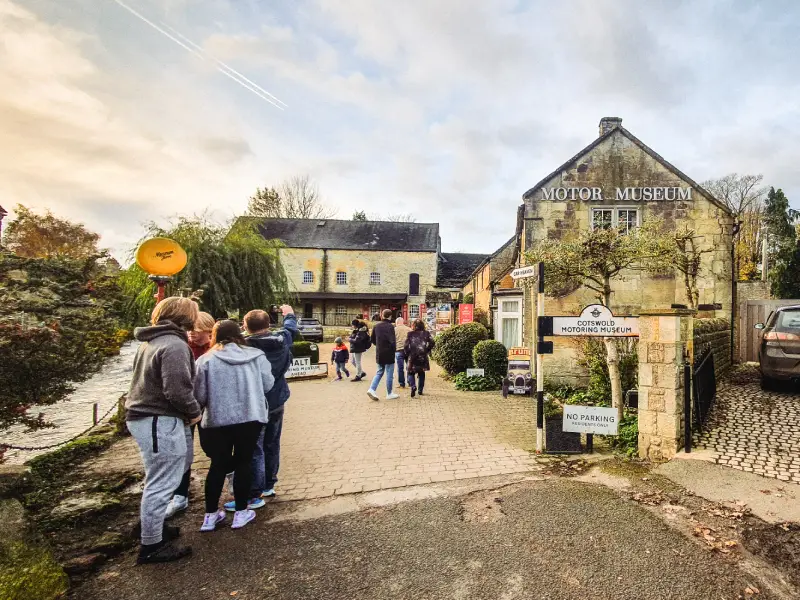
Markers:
point(147, 334)
point(233, 354)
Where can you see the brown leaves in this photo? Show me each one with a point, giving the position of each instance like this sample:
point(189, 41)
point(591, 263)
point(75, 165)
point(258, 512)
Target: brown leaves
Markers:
point(715, 543)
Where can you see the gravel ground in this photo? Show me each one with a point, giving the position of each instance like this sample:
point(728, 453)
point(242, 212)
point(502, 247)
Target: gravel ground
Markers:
point(554, 539)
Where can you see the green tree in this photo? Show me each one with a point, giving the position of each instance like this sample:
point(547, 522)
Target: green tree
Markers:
point(779, 222)
point(686, 258)
point(46, 236)
point(786, 275)
point(359, 215)
point(594, 259)
point(235, 269)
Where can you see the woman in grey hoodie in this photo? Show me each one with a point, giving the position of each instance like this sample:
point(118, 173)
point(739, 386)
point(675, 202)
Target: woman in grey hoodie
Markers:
point(231, 385)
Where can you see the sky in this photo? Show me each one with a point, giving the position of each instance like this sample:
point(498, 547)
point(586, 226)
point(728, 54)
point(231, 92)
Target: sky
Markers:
point(448, 109)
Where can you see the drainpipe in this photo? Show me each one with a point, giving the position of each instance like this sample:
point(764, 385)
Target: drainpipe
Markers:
point(737, 225)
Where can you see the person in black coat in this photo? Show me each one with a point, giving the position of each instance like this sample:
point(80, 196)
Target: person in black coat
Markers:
point(359, 343)
point(418, 347)
point(384, 340)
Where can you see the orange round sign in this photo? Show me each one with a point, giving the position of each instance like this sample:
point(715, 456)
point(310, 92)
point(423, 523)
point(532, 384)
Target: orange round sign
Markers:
point(161, 256)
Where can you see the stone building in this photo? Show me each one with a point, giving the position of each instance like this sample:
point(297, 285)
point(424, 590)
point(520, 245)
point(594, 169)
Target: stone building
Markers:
point(618, 181)
point(346, 269)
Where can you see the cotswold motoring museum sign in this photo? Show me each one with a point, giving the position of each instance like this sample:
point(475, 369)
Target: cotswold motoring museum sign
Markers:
point(595, 320)
point(628, 194)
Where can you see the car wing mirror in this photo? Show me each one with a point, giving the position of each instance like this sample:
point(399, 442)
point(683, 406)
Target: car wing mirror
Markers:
point(759, 326)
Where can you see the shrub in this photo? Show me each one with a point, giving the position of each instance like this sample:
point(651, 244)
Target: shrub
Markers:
point(301, 349)
point(468, 299)
point(476, 383)
point(454, 346)
point(593, 357)
point(481, 316)
point(492, 357)
point(627, 439)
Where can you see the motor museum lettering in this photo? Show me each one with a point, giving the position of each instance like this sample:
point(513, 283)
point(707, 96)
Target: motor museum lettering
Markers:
point(628, 194)
point(596, 320)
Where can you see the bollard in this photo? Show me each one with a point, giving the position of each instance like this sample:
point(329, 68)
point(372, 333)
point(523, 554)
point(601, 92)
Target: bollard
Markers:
point(94, 414)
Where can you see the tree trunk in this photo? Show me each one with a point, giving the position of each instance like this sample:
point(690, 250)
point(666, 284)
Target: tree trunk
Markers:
point(612, 359)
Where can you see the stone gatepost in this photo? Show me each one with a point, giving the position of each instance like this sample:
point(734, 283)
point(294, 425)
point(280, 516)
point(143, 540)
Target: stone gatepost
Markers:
point(664, 336)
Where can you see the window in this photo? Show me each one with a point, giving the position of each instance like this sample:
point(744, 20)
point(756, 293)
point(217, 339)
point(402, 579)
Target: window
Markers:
point(413, 284)
point(413, 311)
point(374, 278)
point(308, 277)
point(623, 219)
point(375, 309)
point(341, 278)
point(341, 309)
point(508, 328)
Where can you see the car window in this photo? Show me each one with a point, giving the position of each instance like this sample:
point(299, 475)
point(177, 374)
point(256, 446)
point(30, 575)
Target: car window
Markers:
point(789, 321)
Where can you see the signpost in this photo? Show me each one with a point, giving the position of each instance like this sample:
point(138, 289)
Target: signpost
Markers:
point(465, 313)
point(590, 419)
point(523, 272)
point(595, 320)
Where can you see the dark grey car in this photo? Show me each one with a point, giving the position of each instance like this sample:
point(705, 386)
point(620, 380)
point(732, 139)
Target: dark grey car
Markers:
point(779, 352)
point(311, 329)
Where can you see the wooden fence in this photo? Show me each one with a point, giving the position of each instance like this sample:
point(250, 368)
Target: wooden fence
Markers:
point(750, 313)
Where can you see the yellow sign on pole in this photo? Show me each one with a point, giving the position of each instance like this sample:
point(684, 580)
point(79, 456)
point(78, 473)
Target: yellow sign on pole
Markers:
point(161, 257)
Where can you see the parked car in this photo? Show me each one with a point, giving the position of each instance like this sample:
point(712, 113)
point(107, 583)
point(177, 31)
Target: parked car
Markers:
point(311, 329)
point(779, 351)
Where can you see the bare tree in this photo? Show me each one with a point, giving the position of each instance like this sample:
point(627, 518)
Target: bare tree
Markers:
point(295, 198)
point(744, 197)
point(401, 218)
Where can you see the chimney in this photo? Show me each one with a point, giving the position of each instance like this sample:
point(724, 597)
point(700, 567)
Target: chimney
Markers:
point(609, 123)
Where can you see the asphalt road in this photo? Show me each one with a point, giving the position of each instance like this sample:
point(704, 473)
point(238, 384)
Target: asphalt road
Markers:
point(555, 539)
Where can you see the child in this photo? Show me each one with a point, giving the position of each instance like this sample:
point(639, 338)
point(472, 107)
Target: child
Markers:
point(339, 356)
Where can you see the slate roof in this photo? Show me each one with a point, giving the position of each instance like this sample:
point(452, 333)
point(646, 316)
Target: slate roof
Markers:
point(647, 149)
point(335, 234)
point(456, 268)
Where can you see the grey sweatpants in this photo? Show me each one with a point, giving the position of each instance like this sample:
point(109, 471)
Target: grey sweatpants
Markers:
point(166, 449)
point(357, 362)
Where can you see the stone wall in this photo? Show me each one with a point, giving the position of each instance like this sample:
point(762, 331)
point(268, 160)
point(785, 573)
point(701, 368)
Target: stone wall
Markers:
point(752, 290)
point(717, 334)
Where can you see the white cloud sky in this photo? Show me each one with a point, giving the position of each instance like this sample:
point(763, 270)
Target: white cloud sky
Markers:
point(448, 110)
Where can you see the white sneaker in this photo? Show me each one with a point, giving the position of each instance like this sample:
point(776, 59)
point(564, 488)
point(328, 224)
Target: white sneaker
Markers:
point(242, 518)
point(392, 396)
point(372, 394)
point(176, 505)
point(211, 519)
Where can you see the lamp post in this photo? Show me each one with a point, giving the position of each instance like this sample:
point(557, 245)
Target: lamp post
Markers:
point(455, 300)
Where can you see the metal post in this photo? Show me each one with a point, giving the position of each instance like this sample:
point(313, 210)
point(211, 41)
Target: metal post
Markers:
point(540, 366)
point(687, 404)
point(94, 413)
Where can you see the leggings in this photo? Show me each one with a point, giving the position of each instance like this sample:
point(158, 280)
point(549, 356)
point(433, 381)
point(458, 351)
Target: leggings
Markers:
point(230, 449)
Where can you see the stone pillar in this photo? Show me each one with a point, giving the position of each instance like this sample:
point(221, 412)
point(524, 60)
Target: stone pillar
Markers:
point(664, 336)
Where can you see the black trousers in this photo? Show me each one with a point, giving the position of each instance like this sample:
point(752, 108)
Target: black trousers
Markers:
point(230, 449)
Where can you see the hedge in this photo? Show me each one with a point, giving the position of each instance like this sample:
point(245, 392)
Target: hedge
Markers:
point(454, 346)
point(301, 349)
point(492, 357)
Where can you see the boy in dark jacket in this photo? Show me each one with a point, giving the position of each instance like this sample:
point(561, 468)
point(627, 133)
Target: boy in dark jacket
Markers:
point(385, 342)
point(277, 345)
point(339, 357)
point(359, 343)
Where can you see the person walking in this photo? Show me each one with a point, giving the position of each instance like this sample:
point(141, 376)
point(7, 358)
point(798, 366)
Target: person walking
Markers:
point(339, 357)
point(160, 408)
point(359, 343)
point(199, 343)
point(383, 339)
point(276, 344)
point(401, 331)
point(418, 347)
point(231, 385)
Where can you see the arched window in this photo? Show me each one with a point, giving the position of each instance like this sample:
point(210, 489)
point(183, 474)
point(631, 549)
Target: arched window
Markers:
point(413, 284)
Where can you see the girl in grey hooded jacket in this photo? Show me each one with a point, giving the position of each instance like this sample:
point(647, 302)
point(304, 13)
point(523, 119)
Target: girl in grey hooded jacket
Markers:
point(231, 385)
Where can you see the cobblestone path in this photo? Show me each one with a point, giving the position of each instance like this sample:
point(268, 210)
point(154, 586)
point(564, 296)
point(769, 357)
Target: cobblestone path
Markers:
point(754, 431)
point(75, 413)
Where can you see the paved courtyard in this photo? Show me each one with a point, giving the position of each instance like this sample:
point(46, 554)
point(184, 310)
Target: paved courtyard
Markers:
point(338, 441)
point(754, 431)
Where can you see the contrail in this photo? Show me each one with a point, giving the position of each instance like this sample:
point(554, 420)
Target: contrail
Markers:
point(222, 64)
point(200, 56)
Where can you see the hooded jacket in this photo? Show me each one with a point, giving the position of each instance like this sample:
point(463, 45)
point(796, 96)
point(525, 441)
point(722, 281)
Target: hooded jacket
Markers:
point(359, 340)
point(163, 370)
point(231, 385)
point(277, 347)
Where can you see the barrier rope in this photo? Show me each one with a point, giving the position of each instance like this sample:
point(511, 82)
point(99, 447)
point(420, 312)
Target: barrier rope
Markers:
point(4, 446)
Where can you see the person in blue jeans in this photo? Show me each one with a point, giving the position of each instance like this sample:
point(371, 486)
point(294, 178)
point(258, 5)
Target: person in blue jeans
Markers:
point(277, 345)
point(383, 338)
point(401, 331)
